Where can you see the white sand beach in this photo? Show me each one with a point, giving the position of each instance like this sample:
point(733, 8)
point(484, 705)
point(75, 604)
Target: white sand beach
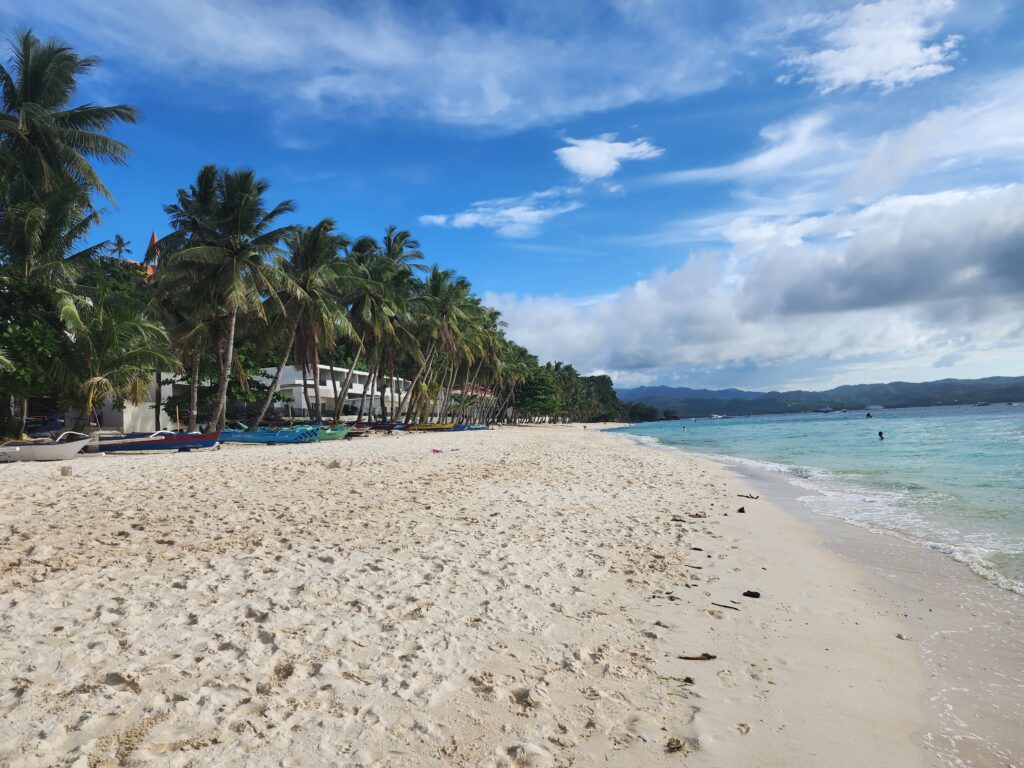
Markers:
point(525, 600)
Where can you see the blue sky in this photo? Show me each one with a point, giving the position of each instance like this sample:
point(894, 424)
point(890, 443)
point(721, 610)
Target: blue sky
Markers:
point(759, 194)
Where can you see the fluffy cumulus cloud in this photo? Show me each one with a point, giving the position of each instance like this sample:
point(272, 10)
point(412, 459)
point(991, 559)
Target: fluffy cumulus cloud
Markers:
point(887, 44)
point(511, 216)
point(602, 156)
point(900, 278)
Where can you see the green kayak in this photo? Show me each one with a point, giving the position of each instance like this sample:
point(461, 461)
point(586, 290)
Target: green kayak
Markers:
point(333, 433)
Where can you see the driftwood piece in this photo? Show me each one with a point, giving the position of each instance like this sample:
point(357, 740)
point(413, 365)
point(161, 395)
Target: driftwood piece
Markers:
point(730, 607)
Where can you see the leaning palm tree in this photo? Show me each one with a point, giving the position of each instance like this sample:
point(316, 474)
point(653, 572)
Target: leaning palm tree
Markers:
point(229, 256)
point(312, 282)
point(44, 138)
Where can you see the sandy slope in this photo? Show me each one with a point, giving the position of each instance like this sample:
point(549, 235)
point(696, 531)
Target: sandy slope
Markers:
point(521, 601)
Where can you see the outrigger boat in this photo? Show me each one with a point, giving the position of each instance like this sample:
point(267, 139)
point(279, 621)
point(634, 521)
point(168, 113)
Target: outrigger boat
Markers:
point(65, 447)
point(289, 435)
point(156, 441)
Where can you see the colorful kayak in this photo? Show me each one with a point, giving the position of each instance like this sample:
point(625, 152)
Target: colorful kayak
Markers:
point(156, 441)
point(65, 447)
point(333, 433)
point(288, 436)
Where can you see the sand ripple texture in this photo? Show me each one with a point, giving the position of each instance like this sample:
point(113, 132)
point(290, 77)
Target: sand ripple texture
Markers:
point(521, 601)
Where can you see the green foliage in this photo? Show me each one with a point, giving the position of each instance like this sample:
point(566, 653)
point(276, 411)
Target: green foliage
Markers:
point(32, 333)
point(114, 347)
point(539, 395)
point(641, 412)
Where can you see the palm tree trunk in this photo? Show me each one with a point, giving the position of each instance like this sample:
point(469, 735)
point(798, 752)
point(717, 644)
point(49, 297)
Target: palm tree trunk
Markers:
point(423, 368)
point(339, 405)
point(229, 349)
point(316, 382)
point(334, 382)
point(449, 394)
point(193, 391)
point(383, 411)
point(470, 385)
point(367, 391)
point(23, 418)
point(156, 403)
point(271, 391)
point(305, 389)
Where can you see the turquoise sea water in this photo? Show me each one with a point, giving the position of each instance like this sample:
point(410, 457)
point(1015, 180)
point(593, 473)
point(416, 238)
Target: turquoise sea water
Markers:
point(951, 478)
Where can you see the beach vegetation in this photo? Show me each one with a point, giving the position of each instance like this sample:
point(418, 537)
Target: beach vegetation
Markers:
point(234, 289)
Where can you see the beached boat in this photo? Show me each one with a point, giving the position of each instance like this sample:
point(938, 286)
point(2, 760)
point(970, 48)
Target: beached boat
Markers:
point(433, 427)
point(358, 432)
point(287, 436)
point(155, 441)
point(65, 447)
point(333, 433)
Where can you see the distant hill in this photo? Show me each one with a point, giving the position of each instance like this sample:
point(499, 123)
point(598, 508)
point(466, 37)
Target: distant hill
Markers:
point(690, 403)
point(650, 394)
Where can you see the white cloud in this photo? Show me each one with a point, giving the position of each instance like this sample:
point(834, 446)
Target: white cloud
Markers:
point(886, 44)
point(986, 127)
point(602, 156)
point(787, 144)
point(527, 63)
point(908, 277)
point(511, 216)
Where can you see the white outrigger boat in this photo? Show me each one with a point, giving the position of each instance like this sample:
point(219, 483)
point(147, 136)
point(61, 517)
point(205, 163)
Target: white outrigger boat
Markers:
point(65, 447)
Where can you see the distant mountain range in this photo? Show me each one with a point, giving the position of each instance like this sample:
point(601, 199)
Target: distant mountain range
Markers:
point(689, 403)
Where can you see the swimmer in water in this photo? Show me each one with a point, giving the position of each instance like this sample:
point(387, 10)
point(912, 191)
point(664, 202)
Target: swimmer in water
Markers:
point(881, 436)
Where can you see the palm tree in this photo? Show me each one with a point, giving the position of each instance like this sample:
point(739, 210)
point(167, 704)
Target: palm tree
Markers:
point(114, 349)
point(440, 308)
point(44, 139)
point(119, 246)
point(226, 235)
point(312, 282)
point(40, 236)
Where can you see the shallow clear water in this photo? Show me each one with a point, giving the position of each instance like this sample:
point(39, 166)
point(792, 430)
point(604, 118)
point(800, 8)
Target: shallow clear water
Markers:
point(949, 477)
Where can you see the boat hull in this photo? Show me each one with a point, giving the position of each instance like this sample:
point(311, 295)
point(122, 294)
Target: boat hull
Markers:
point(158, 442)
point(334, 433)
point(270, 436)
point(42, 451)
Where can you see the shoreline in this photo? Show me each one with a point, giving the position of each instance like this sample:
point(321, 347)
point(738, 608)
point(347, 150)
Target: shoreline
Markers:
point(967, 626)
point(525, 598)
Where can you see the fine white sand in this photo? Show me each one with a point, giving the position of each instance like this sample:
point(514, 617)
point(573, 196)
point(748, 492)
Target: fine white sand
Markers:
point(523, 600)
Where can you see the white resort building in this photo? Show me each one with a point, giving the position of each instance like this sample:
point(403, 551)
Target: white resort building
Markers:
point(330, 382)
point(145, 418)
